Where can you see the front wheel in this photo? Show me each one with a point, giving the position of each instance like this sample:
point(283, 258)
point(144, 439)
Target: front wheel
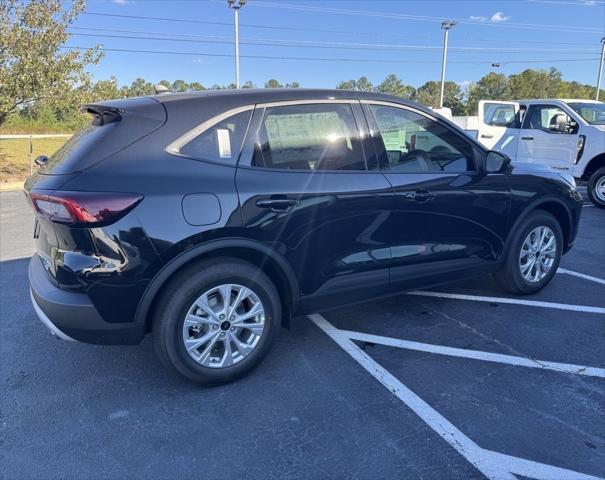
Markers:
point(534, 255)
point(596, 188)
point(216, 320)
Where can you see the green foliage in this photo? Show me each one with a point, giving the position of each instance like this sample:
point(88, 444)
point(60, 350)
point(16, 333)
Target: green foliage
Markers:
point(392, 85)
point(33, 66)
point(428, 94)
point(272, 83)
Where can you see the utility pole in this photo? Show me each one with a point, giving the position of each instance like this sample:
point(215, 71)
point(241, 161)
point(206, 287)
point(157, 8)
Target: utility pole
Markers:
point(601, 60)
point(236, 5)
point(446, 27)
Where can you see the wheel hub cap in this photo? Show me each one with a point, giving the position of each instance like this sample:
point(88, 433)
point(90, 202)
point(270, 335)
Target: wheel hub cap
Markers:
point(214, 342)
point(538, 254)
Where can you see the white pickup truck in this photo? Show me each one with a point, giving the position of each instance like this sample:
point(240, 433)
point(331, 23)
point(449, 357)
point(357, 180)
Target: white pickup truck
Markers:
point(568, 135)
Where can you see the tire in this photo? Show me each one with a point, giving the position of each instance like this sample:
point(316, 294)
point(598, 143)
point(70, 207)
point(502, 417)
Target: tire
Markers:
point(511, 277)
point(180, 299)
point(596, 188)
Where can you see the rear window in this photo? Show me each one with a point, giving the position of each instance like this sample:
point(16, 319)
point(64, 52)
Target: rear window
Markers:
point(75, 147)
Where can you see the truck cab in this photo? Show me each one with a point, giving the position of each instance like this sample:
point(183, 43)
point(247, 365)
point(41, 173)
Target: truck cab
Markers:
point(567, 135)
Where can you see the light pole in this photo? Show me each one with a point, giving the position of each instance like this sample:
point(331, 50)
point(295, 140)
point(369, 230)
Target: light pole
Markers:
point(236, 5)
point(601, 60)
point(445, 26)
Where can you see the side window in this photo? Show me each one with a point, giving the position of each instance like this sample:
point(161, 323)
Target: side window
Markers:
point(309, 137)
point(221, 142)
point(548, 118)
point(414, 143)
point(499, 115)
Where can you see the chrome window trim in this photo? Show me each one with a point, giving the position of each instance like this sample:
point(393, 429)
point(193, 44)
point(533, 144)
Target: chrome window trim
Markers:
point(175, 146)
point(398, 105)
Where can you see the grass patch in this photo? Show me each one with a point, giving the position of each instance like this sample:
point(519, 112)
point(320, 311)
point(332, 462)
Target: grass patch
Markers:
point(14, 155)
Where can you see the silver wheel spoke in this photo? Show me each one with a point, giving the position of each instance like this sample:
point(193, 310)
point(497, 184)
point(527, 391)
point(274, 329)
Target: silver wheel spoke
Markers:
point(205, 356)
point(202, 302)
point(228, 355)
point(194, 320)
point(193, 344)
point(255, 328)
point(256, 310)
point(241, 296)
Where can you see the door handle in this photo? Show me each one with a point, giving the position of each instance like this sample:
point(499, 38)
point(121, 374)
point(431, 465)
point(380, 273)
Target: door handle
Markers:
point(277, 204)
point(483, 135)
point(527, 138)
point(420, 196)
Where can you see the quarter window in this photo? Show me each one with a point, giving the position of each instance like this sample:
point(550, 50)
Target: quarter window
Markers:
point(221, 142)
point(309, 137)
point(499, 114)
point(414, 143)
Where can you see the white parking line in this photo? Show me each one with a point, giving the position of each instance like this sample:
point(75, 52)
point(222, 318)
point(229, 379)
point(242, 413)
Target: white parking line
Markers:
point(581, 275)
point(475, 354)
point(493, 465)
point(514, 301)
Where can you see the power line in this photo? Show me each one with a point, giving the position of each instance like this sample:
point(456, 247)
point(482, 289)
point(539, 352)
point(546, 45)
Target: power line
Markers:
point(322, 59)
point(338, 45)
point(291, 28)
point(425, 18)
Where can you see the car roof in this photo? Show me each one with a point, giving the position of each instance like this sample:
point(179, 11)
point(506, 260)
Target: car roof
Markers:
point(266, 95)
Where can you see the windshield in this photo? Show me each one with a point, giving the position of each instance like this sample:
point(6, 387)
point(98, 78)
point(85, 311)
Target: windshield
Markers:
point(593, 113)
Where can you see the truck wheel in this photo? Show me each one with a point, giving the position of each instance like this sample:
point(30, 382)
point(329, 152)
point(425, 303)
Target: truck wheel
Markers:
point(216, 320)
point(534, 254)
point(596, 188)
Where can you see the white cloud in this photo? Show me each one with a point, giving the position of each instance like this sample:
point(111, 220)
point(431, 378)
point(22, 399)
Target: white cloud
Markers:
point(477, 18)
point(120, 2)
point(499, 17)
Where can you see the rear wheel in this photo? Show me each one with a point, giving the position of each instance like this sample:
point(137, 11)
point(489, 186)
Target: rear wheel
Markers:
point(596, 188)
point(216, 320)
point(534, 255)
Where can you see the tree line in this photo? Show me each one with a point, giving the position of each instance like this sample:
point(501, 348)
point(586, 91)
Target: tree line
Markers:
point(42, 83)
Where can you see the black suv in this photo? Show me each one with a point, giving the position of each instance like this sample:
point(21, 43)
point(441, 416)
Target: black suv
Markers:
point(209, 219)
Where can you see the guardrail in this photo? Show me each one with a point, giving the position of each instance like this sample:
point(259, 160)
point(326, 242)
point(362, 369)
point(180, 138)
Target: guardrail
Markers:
point(31, 147)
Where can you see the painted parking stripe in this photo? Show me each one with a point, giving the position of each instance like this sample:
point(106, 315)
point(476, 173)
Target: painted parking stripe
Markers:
point(581, 275)
point(493, 465)
point(476, 354)
point(514, 301)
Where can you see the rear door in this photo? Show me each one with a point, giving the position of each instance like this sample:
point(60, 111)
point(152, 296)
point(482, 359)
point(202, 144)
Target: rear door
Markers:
point(546, 139)
point(499, 126)
point(447, 217)
point(306, 190)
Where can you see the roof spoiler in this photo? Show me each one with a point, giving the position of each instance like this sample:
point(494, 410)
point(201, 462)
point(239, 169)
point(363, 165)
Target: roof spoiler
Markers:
point(102, 115)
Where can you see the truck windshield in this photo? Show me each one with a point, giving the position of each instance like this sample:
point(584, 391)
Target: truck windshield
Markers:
point(593, 113)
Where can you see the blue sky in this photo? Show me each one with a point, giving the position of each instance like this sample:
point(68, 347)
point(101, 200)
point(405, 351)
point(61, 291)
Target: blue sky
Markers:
point(374, 38)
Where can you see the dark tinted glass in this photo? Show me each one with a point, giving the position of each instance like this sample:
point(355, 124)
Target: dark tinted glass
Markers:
point(309, 137)
point(414, 143)
point(220, 143)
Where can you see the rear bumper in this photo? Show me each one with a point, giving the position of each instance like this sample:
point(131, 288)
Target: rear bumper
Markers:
point(72, 316)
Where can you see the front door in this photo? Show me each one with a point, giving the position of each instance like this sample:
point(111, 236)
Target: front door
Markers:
point(549, 137)
point(305, 190)
point(447, 216)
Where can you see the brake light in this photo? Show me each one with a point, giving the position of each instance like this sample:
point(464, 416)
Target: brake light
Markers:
point(85, 209)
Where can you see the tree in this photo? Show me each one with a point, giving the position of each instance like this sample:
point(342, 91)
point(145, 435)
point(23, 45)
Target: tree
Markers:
point(248, 84)
point(493, 86)
point(346, 85)
point(34, 67)
point(428, 94)
point(392, 85)
point(272, 83)
point(180, 86)
point(362, 84)
point(105, 90)
point(140, 87)
point(294, 84)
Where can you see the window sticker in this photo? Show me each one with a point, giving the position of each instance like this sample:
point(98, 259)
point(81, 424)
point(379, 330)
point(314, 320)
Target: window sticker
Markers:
point(224, 142)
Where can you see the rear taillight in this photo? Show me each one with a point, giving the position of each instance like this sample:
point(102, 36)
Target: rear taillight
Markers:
point(84, 209)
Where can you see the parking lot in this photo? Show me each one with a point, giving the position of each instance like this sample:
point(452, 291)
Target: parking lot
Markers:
point(463, 381)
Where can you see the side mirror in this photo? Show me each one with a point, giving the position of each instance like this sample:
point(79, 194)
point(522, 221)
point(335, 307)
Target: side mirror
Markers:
point(559, 123)
point(496, 162)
